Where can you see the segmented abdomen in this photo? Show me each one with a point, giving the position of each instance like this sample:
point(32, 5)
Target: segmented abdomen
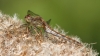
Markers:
point(70, 40)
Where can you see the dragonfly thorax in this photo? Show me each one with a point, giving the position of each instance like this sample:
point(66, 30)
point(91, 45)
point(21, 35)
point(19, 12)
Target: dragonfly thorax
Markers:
point(34, 20)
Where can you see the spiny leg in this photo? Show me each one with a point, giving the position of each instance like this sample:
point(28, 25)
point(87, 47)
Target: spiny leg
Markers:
point(38, 36)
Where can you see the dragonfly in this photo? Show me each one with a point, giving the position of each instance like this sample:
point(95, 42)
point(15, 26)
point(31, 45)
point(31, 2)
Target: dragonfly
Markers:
point(37, 22)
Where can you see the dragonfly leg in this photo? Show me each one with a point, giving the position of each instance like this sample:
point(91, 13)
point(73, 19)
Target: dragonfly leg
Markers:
point(46, 34)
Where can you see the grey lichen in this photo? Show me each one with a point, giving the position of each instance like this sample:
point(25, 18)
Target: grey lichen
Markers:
point(16, 40)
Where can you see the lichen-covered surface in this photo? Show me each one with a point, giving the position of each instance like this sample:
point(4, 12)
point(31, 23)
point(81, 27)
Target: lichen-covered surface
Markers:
point(16, 40)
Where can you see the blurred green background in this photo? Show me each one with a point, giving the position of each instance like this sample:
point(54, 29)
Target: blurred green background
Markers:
point(77, 17)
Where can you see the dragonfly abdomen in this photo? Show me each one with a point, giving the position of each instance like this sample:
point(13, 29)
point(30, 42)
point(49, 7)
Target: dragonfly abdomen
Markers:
point(67, 38)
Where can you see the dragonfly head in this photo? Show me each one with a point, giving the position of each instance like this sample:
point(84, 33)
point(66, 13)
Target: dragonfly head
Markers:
point(33, 19)
point(28, 18)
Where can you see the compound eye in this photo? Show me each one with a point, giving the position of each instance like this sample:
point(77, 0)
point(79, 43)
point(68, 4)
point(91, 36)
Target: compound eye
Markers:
point(27, 16)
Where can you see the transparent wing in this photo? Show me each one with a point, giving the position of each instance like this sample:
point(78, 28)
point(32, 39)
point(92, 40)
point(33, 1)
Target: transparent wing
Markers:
point(31, 13)
point(48, 22)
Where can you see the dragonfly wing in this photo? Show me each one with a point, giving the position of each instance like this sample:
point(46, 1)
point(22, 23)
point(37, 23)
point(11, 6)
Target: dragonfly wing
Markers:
point(32, 13)
point(48, 22)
